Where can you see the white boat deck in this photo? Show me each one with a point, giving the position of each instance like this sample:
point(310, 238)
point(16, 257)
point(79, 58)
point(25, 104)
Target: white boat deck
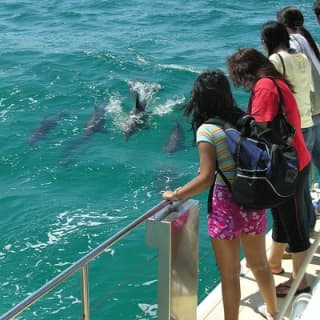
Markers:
point(212, 309)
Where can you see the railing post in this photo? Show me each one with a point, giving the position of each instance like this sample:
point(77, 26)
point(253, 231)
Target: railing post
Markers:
point(175, 234)
point(85, 293)
point(295, 284)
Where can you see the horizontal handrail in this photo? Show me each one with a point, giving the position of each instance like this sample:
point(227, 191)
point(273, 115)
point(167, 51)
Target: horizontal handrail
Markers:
point(27, 302)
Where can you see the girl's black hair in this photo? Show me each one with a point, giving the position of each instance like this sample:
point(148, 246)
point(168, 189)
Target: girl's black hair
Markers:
point(211, 97)
point(293, 18)
point(275, 36)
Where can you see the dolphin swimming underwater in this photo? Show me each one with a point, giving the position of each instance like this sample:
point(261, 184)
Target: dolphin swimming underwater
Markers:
point(136, 118)
point(45, 126)
point(175, 139)
point(79, 144)
point(96, 121)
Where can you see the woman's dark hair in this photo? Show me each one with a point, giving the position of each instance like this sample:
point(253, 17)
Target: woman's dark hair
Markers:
point(249, 65)
point(211, 97)
point(316, 8)
point(275, 36)
point(293, 19)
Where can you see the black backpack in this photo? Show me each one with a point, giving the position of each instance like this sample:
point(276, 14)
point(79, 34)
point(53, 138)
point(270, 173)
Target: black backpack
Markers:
point(266, 169)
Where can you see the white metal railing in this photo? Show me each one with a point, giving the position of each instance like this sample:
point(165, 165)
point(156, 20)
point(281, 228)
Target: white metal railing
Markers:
point(82, 264)
point(169, 223)
point(294, 286)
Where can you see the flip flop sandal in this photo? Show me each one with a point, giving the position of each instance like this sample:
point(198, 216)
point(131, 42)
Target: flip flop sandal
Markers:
point(279, 272)
point(286, 255)
point(263, 311)
point(304, 290)
point(284, 289)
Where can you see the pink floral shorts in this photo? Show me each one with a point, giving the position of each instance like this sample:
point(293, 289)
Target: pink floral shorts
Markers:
point(228, 220)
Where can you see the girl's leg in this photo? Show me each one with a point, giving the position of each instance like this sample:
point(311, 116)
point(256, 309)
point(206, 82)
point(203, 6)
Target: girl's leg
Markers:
point(297, 261)
point(227, 254)
point(255, 253)
point(275, 255)
point(309, 139)
point(290, 227)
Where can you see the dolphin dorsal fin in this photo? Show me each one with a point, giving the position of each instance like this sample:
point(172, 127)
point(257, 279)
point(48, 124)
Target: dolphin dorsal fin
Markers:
point(137, 100)
point(139, 105)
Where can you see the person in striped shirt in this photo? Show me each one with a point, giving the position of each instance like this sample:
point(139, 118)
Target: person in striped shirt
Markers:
point(229, 225)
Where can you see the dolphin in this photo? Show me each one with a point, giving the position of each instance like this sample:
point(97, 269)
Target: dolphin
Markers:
point(79, 144)
point(136, 118)
point(44, 127)
point(96, 121)
point(175, 139)
point(75, 147)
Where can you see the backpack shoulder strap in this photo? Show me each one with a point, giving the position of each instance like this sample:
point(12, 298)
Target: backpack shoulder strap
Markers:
point(283, 64)
point(224, 125)
point(281, 102)
point(224, 178)
point(289, 130)
point(217, 121)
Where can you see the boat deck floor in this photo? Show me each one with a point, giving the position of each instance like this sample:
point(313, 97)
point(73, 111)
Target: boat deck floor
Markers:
point(211, 308)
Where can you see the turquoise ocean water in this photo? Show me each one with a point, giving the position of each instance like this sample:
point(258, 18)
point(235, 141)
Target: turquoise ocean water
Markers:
point(64, 195)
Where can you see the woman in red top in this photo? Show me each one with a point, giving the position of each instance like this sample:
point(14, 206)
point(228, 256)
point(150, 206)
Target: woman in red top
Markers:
point(250, 69)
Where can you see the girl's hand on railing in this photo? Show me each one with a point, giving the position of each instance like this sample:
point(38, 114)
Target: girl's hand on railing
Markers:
point(171, 195)
point(168, 195)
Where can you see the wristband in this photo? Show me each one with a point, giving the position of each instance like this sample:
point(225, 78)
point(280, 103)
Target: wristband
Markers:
point(175, 194)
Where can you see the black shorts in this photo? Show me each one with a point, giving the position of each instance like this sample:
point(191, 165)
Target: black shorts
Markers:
point(289, 225)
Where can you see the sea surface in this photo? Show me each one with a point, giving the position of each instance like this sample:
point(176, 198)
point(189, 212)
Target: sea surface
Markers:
point(62, 192)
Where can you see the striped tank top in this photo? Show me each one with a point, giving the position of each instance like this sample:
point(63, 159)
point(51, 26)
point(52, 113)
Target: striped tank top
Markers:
point(216, 136)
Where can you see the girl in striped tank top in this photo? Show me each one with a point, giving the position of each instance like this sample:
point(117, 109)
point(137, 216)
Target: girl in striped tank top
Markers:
point(229, 225)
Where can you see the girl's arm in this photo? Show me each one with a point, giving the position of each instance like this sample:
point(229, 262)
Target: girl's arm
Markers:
point(204, 180)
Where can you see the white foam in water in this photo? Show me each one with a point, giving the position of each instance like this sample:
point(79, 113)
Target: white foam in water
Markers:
point(167, 107)
point(179, 67)
point(114, 105)
point(145, 89)
point(142, 59)
point(149, 309)
point(149, 283)
point(3, 113)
